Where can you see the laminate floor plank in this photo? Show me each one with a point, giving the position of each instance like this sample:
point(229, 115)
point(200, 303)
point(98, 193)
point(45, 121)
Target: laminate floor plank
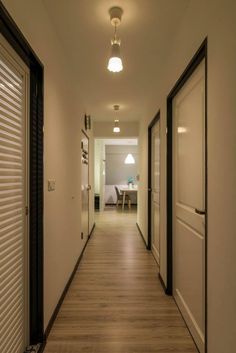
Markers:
point(116, 303)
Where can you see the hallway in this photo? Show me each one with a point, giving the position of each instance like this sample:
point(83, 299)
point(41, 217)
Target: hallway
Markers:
point(116, 303)
point(77, 77)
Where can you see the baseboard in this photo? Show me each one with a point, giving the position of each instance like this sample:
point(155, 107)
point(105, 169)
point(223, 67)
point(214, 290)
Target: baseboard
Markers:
point(162, 282)
point(191, 324)
point(159, 275)
point(91, 232)
point(140, 232)
point(58, 306)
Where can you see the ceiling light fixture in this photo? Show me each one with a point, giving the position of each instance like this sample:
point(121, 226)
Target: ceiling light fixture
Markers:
point(116, 127)
point(115, 62)
point(129, 159)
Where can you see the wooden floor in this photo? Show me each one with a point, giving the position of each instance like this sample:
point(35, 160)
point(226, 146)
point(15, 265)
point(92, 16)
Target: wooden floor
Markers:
point(116, 303)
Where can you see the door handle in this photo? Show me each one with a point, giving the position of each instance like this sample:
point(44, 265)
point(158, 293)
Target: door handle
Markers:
point(89, 187)
point(201, 212)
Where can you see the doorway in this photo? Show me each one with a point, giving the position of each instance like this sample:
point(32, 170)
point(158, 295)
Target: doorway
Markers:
point(116, 174)
point(187, 196)
point(154, 187)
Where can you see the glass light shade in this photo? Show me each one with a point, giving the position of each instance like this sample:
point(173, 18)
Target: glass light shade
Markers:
point(129, 159)
point(115, 65)
point(115, 62)
point(116, 129)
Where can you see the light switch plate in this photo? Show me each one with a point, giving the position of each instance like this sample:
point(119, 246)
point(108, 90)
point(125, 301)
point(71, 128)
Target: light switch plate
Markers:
point(51, 184)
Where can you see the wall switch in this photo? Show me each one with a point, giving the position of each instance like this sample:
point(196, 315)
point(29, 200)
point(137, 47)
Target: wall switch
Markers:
point(51, 184)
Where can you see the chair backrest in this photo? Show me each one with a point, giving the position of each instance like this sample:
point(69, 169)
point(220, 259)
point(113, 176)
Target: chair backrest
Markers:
point(117, 192)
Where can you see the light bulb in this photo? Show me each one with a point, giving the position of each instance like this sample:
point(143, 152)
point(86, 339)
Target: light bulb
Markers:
point(115, 64)
point(116, 129)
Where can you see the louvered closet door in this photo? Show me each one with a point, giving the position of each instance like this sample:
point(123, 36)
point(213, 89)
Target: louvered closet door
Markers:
point(13, 199)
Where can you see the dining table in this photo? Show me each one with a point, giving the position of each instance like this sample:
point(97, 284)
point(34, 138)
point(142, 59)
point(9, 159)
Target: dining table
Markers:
point(126, 191)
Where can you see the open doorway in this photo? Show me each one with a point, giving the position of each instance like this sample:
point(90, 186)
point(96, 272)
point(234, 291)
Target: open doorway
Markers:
point(116, 175)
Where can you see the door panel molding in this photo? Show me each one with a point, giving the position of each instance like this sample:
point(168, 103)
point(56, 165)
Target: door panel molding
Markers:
point(200, 55)
point(15, 38)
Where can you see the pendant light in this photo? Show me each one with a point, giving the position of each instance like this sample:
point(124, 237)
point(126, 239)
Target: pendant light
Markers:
point(116, 128)
point(115, 63)
point(129, 159)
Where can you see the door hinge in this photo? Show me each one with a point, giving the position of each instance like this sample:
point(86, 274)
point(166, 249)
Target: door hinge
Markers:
point(82, 235)
point(26, 210)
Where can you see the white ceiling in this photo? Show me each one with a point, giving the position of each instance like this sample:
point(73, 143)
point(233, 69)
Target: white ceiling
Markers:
point(146, 31)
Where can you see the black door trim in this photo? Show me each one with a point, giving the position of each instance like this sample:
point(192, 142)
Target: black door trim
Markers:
point(16, 39)
point(150, 126)
point(196, 60)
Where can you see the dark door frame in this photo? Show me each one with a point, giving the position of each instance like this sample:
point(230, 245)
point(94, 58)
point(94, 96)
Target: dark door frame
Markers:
point(196, 60)
point(16, 39)
point(150, 126)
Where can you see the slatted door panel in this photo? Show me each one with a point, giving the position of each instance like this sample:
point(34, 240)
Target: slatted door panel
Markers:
point(13, 235)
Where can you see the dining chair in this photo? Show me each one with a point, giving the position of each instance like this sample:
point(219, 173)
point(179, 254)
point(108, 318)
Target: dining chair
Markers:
point(120, 198)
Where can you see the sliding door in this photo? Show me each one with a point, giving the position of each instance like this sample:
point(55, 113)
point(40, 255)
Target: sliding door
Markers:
point(14, 278)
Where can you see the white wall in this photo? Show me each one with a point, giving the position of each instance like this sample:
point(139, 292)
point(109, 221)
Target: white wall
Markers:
point(217, 20)
point(63, 113)
point(117, 172)
point(143, 181)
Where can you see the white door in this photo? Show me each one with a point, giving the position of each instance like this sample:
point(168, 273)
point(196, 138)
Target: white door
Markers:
point(85, 187)
point(189, 203)
point(155, 194)
point(13, 201)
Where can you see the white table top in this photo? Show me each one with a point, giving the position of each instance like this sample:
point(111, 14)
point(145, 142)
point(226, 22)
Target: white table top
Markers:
point(127, 189)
